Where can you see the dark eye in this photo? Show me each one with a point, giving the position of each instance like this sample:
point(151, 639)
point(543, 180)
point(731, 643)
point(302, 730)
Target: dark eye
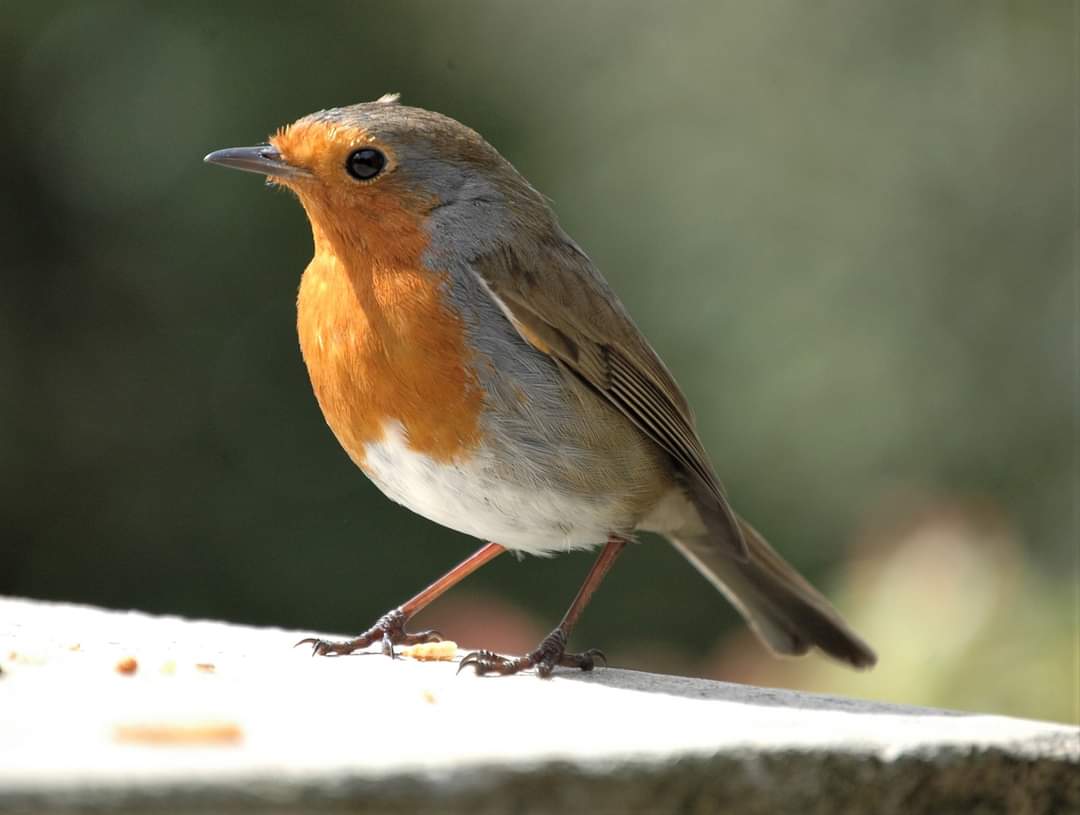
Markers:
point(365, 164)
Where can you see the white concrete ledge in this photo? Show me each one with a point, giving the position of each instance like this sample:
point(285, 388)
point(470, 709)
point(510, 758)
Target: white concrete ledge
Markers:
point(229, 718)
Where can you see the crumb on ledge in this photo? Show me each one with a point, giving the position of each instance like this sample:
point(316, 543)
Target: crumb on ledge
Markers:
point(167, 734)
point(431, 651)
point(127, 666)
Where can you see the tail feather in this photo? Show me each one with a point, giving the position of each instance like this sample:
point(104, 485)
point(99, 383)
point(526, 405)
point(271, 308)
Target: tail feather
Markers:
point(782, 608)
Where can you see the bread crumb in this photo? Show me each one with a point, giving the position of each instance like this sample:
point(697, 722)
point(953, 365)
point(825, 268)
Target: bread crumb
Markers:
point(127, 666)
point(168, 667)
point(431, 651)
point(428, 697)
point(26, 659)
point(75, 647)
point(205, 667)
point(167, 734)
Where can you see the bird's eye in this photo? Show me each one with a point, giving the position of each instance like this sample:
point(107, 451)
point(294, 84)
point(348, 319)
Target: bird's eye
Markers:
point(365, 164)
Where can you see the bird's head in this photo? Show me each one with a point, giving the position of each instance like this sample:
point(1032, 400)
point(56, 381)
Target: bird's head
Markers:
point(369, 171)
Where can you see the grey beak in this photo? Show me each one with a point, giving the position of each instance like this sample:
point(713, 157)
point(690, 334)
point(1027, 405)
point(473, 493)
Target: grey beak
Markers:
point(262, 158)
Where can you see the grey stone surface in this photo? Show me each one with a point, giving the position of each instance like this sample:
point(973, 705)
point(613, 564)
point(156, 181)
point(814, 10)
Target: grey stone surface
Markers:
point(227, 718)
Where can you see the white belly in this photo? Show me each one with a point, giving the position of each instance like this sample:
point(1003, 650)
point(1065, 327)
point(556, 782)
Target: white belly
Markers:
point(472, 498)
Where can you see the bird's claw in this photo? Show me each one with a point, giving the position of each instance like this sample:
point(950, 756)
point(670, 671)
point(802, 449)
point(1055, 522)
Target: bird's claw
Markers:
point(484, 662)
point(551, 653)
point(389, 630)
point(590, 657)
point(323, 648)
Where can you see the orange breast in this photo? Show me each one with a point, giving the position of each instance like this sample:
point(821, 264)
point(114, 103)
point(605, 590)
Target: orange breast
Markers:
point(382, 345)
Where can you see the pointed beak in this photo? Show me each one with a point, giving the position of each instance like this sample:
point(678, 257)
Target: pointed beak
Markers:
point(262, 158)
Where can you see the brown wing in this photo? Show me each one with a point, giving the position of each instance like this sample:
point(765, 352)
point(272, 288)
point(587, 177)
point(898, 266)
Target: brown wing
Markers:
point(576, 318)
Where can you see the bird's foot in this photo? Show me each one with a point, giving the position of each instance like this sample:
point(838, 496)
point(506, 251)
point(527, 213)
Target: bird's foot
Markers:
point(552, 652)
point(389, 630)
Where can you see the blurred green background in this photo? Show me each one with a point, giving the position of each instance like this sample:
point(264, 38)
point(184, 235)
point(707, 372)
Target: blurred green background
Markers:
point(846, 226)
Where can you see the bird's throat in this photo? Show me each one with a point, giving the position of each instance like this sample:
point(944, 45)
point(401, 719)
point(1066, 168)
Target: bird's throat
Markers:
point(382, 347)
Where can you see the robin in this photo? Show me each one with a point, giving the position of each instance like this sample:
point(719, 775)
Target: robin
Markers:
point(472, 361)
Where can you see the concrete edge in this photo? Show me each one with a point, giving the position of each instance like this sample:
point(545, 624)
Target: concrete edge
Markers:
point(1041, 777)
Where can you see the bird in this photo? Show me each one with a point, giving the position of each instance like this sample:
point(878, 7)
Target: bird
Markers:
point(471, 360)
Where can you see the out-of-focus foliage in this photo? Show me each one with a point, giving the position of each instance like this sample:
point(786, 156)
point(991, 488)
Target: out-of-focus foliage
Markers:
point(845, 225)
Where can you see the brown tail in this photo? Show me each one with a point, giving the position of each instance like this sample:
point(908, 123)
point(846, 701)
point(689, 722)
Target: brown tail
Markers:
point(785, 611)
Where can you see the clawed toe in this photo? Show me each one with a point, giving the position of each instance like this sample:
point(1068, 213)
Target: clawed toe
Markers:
point(389, 630)
point(544, 659)
point(330, 648)
point(487, 662)
point(402, 637)
point(586, 660)
point(418, 637)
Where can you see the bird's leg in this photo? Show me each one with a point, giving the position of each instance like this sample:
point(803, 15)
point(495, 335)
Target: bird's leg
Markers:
point(552, 651)
point(390, 628)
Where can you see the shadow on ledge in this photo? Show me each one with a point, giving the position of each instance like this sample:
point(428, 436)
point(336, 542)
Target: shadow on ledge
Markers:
point(713, 690)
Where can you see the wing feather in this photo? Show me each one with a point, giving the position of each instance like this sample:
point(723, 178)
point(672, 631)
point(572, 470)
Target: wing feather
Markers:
point(575, 317)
